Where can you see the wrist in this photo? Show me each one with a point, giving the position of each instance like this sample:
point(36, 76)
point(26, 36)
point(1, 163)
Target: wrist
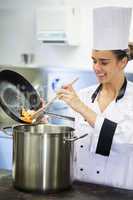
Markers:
point(82, 108)
point(88, 114)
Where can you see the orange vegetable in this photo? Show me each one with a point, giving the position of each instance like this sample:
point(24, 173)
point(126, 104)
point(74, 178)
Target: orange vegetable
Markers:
point(26, 115)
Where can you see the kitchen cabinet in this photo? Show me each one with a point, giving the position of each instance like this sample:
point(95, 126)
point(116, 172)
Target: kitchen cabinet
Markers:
point(17, 35)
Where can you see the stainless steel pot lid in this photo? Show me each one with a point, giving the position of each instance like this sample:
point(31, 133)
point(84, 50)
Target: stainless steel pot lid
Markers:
point(16, 92)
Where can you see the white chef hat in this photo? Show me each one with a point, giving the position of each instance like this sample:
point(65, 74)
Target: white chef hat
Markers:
point(111, 28)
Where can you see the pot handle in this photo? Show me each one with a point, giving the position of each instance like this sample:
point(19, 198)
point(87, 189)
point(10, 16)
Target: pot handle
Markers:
point(73, 139)
point(4, 130)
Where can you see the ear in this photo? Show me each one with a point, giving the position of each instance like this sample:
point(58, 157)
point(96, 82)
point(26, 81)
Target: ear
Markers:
point(124, 62)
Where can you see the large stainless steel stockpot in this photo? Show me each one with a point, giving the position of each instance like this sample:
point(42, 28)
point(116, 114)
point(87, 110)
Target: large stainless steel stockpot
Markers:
point(43, 157)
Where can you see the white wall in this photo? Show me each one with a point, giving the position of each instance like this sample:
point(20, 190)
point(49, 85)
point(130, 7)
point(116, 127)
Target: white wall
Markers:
point(18, 33)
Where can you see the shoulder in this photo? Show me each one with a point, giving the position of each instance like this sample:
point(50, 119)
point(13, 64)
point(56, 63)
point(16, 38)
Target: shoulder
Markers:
point(130, 86)
point(128, 96)
point(129, 83)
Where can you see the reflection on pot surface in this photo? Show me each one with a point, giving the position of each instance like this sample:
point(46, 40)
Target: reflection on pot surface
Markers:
point(42, 159)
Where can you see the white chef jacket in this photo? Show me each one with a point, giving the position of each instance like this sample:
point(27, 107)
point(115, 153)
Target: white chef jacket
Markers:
point(115, 169)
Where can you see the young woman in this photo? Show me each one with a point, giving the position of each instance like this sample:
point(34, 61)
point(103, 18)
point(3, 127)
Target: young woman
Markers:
point(105, 112)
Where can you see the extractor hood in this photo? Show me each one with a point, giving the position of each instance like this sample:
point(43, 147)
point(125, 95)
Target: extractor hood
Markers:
point(58, 25)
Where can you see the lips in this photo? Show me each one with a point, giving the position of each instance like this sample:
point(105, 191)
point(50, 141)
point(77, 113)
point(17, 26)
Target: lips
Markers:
point(100, 75)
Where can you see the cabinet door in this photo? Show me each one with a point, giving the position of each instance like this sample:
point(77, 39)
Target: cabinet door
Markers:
point(6, 149)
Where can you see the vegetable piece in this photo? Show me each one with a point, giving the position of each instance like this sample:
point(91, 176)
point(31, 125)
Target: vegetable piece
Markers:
point(26, 115)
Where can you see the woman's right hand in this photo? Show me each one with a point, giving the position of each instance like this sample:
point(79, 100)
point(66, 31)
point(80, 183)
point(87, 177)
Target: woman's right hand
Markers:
point(68, 94)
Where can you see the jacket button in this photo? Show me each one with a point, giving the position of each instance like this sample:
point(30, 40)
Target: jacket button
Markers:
point(98, 172)
point(81, 146)
point(81, 169)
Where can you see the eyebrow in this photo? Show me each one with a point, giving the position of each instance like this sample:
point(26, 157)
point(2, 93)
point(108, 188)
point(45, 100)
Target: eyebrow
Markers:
point(102, 59)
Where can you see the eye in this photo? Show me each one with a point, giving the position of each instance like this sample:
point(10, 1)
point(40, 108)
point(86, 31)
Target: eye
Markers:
point(104, 63)
point(94, 61)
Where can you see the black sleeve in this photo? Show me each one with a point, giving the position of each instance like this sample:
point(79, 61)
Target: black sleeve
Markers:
point(106, 137)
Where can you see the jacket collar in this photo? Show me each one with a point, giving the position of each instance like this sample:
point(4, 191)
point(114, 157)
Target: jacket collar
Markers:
point(120, 94)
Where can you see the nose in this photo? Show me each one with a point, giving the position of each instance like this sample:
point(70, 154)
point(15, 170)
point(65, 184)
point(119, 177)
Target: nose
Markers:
point(97, 66)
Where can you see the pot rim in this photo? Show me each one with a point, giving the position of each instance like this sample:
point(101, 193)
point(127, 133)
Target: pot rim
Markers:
point(42, 128)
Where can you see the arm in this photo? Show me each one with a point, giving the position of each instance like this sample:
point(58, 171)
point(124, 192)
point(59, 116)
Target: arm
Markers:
point(122, 128)
point(68, 95)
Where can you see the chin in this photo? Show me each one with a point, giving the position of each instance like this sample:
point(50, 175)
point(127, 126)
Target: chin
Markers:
point(100, 80)
point(104, 79)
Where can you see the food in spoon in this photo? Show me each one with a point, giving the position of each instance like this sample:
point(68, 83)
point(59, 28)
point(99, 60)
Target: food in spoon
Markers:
point(26, 115)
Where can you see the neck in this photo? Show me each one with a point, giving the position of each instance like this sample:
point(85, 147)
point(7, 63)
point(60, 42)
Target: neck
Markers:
point(115, 85)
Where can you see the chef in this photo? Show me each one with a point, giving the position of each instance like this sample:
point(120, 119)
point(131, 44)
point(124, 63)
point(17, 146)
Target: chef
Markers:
point(105, 111)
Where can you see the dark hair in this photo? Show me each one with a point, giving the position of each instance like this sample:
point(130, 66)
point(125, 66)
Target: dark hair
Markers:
point(120, 54)
point(130, 47)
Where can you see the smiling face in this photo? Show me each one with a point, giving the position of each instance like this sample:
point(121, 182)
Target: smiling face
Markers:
point(106, 66)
